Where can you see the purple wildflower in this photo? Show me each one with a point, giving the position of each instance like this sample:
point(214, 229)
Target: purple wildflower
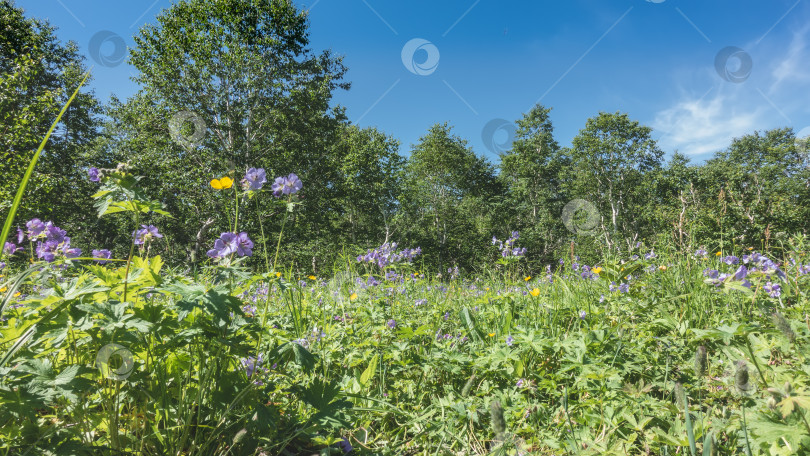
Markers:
point(54, 233)
point(244, 246)
point(711, 273)
point(20, 236)
point(773, 289)
point(36, 229)
point(71, 252)
point(226, 245)
point(255, 178)
point(392, 323)
point(93, 174)
point(346, 445)
point(102, 255)
point(624, 288)
point(509, 340)
point(292, 185)
point(146, 234)
point(10, 248)
point(278, 186)
point(582, 314)
point(730, 260)
point(47, 250)
point(251, 364)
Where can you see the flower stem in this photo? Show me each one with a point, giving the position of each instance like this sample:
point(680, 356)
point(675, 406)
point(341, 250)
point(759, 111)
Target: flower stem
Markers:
point(280, 233)
point(264, 240)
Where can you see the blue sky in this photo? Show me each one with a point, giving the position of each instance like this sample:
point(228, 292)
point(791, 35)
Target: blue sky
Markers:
point(699, 72)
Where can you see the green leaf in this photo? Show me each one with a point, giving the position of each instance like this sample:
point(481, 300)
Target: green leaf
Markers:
point(368, 374)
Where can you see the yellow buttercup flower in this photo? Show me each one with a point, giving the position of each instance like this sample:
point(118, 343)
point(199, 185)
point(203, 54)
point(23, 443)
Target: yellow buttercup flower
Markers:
point(222, 183)
point(718, 253)
point(535, 292)
point(491, 334)
point(312, 277)
point(596, 270)
point(528, 278)
point(278, 274)
point(353, 296)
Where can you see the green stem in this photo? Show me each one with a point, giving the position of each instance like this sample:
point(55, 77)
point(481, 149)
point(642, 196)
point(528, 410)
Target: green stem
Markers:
point(129, 262)
point(264, 240)
point(236, 217)
point(280, 233)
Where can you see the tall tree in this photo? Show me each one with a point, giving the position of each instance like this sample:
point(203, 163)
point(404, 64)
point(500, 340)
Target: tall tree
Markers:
point(371, 173)
point(38, 74)
point(236, 81)
point(611, 158)
point(531, 171)
point(447, 197)
point(762, 181)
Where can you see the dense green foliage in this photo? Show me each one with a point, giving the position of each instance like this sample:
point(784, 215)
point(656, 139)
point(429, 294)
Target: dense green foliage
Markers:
point(660, 308)
point(238, 87)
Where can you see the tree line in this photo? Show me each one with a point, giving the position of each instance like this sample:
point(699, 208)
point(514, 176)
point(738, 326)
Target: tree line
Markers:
point(225, 85)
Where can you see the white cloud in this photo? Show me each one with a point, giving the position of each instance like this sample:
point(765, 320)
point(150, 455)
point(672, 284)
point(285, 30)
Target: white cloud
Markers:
point(792, 67)
point(703, 126)
point(698, 126)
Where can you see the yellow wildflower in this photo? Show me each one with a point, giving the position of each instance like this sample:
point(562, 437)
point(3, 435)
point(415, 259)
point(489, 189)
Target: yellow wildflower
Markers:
point(596, 270)
point(278, 274)
point(491, 334)
point(353, 296)
point(222, 183)
point(312, 277)
point(718, 253)
point(535, 292)
point(528, 278)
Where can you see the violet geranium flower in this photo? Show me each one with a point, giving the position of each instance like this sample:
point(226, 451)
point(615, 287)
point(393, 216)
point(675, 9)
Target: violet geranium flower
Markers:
point(102, 255)
point(255, 178)
point(146, 234)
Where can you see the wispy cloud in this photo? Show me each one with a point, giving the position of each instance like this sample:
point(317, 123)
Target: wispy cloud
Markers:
point(700, 125)
point(792, 67)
